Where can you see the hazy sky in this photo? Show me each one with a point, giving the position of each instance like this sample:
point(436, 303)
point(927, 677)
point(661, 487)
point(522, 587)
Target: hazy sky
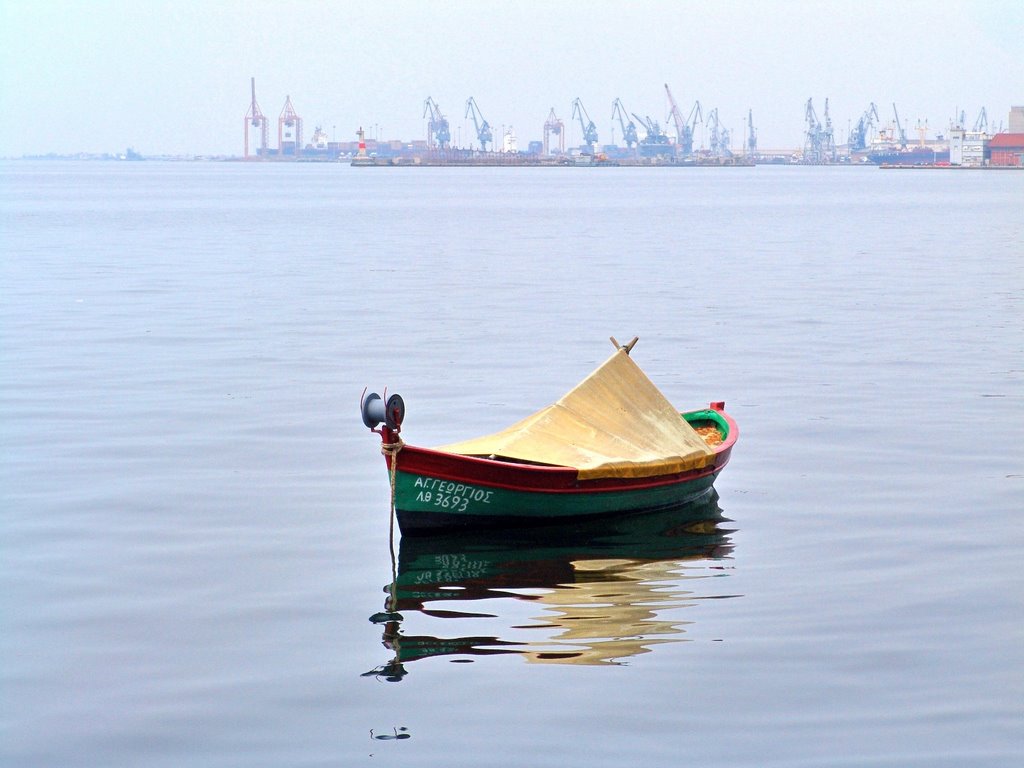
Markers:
point(173, 77)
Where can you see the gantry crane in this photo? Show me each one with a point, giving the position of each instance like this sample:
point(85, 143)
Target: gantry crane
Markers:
point(629, 134)
point(438, 134)
point(859, 134)
point(289, 130)
point(256, 119)
point(586, 124)
point(554, 125)
point(483, 128)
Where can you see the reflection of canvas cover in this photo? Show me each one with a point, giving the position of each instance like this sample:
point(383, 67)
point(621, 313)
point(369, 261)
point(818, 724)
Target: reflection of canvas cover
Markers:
point(615, 423)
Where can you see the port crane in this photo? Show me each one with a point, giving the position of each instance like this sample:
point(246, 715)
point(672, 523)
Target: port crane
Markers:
point(981, 124)
point(586, 124)
point(554, 125)
point(751, 133)
point(655, 142)
point(676, 116)
point(684, 128)
point(438, 133)
point(712, 123)
point(654, 133)
point(483, 128)
point(830, 142)
point(289, 130)
point(696, 116)
point(859, 134)
point(899, 127)
point(819, 144)
point(720, 138)
point(629, 134)
point(256, 119)
point(922, 132)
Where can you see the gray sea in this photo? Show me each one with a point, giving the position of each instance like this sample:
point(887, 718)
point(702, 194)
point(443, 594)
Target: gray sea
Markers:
point(194, 523)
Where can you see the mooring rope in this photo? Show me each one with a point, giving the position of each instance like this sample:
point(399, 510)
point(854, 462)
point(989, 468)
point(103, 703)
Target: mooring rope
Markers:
point(391, 450)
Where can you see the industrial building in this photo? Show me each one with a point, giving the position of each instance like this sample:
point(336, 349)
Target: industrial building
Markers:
point(1006, 150)
point(1016, 120)
point(968, 148)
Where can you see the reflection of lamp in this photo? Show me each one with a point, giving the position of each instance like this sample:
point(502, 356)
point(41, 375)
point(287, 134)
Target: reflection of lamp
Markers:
point(396, 733)
point(393, 671)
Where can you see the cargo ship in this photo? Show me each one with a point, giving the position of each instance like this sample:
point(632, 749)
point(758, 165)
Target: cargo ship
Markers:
point(890, 147)
point(910, 156)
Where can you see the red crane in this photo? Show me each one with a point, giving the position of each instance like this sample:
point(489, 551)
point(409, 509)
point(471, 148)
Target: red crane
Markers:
point(289, 126)
point(255, 118)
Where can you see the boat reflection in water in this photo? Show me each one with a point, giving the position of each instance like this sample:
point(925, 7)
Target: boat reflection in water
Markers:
point(593, 593)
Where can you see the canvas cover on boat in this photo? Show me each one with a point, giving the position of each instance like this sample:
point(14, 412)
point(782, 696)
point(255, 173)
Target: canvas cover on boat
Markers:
point(614, 423)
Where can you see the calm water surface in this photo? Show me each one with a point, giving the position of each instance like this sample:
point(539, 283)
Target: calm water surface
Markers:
point(195, 521)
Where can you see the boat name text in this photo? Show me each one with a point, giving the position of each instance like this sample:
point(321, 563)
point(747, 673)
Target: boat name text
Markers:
point(449, 495)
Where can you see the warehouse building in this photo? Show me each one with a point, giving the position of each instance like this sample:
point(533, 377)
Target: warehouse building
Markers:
point(1006, 149)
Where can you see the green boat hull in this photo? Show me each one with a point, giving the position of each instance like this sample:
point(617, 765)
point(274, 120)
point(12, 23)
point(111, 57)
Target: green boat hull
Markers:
point(436, 490)
point(435, 503)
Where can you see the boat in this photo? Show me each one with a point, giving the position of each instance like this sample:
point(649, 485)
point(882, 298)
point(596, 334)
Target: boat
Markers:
point(613, 445)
